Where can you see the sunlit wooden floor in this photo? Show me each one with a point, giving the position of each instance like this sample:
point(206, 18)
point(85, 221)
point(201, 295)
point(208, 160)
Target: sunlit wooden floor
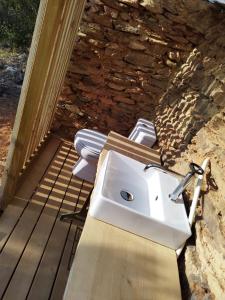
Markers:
point(35, 246)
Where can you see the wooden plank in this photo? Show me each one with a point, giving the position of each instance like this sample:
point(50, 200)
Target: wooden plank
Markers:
point(14, 248)
point(129, 148)
point(122, 138)
point(33, 156)
point(113, 264)
point(48, 224)
point(36, 246)
point(45, 276)
point(38, 168)
point(9, 218)
point(127, 144)
point(51, 108)
point(11, 214)
point(63, 272)
point(51, 92)
point(16, 245)
point(56, 27)
point(131, 154)
point(61, 54)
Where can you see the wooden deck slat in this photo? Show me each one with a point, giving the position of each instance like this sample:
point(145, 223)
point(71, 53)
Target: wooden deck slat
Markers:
point(36, 246)
point(44, 279)
point(63, 271)
point(38, 168)
point(17, 243)
point(16, 207)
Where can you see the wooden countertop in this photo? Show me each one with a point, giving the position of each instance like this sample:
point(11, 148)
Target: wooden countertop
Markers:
point(113, 264)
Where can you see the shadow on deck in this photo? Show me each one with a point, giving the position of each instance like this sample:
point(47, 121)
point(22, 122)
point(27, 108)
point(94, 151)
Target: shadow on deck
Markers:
point(35, 246)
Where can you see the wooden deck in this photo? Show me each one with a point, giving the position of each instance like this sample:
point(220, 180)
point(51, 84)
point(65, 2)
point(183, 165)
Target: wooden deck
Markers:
point(35, 246)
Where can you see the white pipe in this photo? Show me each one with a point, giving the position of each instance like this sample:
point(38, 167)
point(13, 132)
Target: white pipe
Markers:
point(197, 191)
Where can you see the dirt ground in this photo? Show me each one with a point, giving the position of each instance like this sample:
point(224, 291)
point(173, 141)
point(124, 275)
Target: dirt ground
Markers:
point(8, 108)
point(12, 67)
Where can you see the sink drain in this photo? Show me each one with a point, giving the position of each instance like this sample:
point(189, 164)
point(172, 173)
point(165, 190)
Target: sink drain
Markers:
point(126, 196)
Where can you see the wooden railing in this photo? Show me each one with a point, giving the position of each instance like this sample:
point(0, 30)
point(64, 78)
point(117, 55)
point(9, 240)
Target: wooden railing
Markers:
point(52, 44)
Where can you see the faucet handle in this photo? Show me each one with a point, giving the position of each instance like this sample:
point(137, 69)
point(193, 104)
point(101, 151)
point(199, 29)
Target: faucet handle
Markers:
point(196, 169)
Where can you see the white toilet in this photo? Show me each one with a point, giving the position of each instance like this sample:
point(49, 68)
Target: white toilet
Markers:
point(89, 144)
point(144, 133)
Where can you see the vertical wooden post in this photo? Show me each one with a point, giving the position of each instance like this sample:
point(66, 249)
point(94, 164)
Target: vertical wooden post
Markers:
point(52, 44)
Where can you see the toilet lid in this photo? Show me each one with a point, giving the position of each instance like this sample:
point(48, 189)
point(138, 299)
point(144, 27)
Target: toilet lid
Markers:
point(89, 142)
point(146, 122)
point(143, 128)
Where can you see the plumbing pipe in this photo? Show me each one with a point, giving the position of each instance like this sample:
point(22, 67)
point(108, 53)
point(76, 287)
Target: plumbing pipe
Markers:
point(197, 191)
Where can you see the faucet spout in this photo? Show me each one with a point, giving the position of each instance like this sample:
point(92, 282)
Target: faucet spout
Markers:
point(153, 165)
point(194, 169)
point(181, 187)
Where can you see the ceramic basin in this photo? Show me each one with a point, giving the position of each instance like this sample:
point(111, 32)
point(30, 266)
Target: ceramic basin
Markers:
point(138, 201)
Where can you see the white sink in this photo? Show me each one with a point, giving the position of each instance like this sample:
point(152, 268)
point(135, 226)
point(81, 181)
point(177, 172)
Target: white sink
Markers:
point(151, 213)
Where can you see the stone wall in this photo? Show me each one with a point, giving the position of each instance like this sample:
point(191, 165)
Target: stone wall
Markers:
point(203, 268)
point(163, 60)
point(193, 97)
point(197, 91)
point(191, 126)
point(121, 65)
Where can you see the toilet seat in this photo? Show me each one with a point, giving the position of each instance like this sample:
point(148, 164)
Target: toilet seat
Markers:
point(89, 144)
point(144, 133)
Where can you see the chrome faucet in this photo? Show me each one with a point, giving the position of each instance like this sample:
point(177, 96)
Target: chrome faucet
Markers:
point(194, 169)
point(148, 166)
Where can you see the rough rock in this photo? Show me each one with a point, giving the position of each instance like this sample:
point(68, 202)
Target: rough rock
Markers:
point(152, 5)
point(11, 74)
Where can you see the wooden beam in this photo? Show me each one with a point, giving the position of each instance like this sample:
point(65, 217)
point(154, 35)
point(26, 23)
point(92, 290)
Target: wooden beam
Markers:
point(53, 41)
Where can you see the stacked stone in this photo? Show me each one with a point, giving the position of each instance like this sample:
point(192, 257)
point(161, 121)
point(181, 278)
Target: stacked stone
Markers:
point(193, 97)
point(191, 123)
point(123, 59)
point(204, 260)
point(179, 114)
